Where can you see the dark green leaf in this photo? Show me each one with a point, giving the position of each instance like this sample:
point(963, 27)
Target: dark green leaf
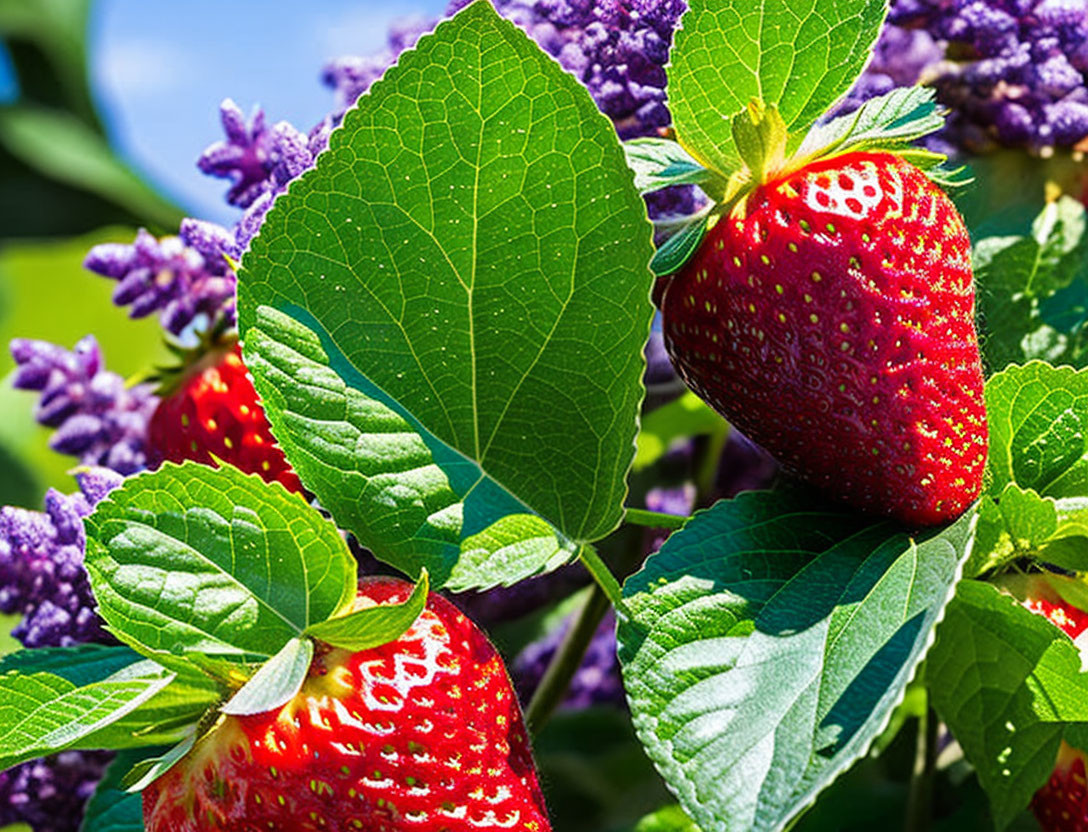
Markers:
point(769, 642)
point(1030, 289)
point(374, 626)
point(215, 565)
point(277, 681)
point(81, 665)
point(1005, 680)
point(445, 318)
point(680, 247)
point(112, 809)
point(801, 56)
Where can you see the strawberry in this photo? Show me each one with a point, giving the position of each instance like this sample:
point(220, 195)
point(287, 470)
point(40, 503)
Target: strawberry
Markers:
point(830, 316)
point(1062, 804)
point(214, 410)
point(423, 733)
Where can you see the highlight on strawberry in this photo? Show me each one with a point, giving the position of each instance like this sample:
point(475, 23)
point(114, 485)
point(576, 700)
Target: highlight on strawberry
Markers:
point(688, 358)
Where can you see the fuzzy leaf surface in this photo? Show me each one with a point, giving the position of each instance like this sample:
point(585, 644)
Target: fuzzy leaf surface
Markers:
point(769, 642)
point(801, 56)
point(1012, 708)
point(214, 565)
point(463, 295)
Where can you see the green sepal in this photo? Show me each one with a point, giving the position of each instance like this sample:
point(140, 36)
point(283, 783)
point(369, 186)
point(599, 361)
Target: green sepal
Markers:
point(760, 135)
point(147, 771)
point(276, 683)
point(663, 163)
point(373, 626)
point(680, 247)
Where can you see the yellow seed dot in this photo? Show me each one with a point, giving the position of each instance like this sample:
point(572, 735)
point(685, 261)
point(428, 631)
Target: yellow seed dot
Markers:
point(817, 277)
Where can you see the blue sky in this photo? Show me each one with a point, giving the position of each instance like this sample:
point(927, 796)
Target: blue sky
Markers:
point(161, 69)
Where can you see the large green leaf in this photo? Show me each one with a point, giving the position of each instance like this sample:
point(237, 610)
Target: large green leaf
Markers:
point(445, 317)
point(1031, 289)
point(42, 712)
point(162, 718)
point(801, 55)
point(767, 644)
point(1006, 681)
point(214, 564)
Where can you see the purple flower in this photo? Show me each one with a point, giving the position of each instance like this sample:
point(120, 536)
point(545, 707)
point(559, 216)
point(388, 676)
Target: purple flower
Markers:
point(49, 795)
point(182, 283)
point(1011, 72)
point(42, 576)
point(98, 419)
point(596, 682)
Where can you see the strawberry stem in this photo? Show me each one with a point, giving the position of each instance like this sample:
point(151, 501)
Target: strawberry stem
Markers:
point(603, 576)
point(920, 800)
point(557, 678)
point(654, 519)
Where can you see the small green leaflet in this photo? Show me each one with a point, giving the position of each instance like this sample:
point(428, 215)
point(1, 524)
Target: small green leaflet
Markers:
point(887, 122)
point(277, 681)
point(668, 819)
point(768, 644)
point(681, 246)
point(801, 56)
point(663, 163)
point(445, 317)
point(147, 771)
point(1033, 290)
point(214, 565)
point(373, 626)
point(43, 712)
point(685, 417)
point(1009, 711)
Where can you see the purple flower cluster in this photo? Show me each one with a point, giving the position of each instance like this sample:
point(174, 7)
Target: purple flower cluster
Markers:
point(41, 566)
point(182, 278)
point(49, 794)
point(596, 682)
point(98, 419)
point(1011, 72)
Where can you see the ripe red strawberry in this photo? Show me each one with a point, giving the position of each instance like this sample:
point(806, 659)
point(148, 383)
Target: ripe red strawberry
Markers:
point(830, 317)
point(422, 734)
point(1062, 804)
point(215, 411)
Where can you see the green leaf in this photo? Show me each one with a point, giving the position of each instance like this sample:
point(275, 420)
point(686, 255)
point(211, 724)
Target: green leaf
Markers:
point(150, 769)
point(887, 122)
point(111, 808)
point(462, 295)
point(1038, 417)
point(680, 247)
point(663, 163)
point(374, 626)
point(277, 681)
point(667, 819)
point(41, 713)
point(214, 565)
point(769, 642)
point(685, 417)
point(1012, 525)
point(1005, 681)
point(1030, 288)
point(80, 665)
point(801, 56)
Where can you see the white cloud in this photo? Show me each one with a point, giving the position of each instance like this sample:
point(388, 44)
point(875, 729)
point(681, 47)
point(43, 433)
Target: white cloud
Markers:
point(144, 67)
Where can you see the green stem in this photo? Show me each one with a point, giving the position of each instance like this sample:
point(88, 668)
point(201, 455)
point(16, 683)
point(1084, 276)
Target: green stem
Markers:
point(708, 467)
point(654, 519)
point(606, 581)
point(553, 687)
point(920, 801)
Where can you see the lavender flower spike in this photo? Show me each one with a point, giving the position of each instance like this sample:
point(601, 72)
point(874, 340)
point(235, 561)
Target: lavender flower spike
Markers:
point(42, 576)
point(167, 276)
point(98, 419)
point(49, 795)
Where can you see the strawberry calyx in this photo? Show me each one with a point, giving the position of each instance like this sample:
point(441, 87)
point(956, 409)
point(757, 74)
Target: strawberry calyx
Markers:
point(209, 350)
point(766, 152)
